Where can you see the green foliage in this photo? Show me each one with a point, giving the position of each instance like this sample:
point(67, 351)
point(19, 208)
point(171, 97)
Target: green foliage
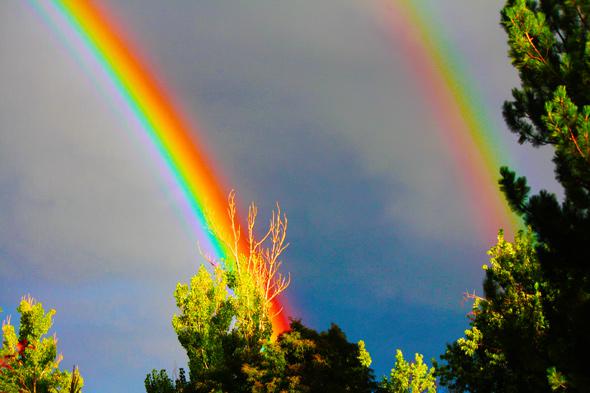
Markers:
point(550, 46)
point(364, 356)
point(222, 328)
point(303, 360)
point(205, 319)
point(224, 325)
point(557, 380)
point(225, 317)
point(252, 320)
point(505, 349)
point(300, 360)
point(29, 360)
point(159, 382)
point(529, 38)
point(326, 361)
point(407, 377)
point(529, 332)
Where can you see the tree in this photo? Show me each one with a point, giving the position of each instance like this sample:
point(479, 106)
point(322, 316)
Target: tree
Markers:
point(303, 360)
point(224, 326)
point(204, 323)
point(549, 45)
point(505, 348)
point(330, 363)
point(257, 280)
point(29, 361)
point(529, 333)
point(159, 382)
point(406, 377)
point(225, 316)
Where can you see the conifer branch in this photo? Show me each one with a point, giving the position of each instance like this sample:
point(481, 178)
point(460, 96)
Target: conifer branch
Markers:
point(580, 14)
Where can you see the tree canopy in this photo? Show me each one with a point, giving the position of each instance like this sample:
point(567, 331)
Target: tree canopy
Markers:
point(550, 46)
point(224, 326)
point(29, 362)
point(530, 332)
point(505, 348)
point(409, 377)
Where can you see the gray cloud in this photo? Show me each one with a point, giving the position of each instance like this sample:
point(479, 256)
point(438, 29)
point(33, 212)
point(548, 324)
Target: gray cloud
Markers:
point(79, 191)
point(276, 63)
point(308, 103)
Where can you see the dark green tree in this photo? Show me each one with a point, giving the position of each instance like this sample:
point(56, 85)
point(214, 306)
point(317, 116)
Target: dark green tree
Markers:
point(537, 340)
point(550, 46)
point(159, 382)
point(303, 360)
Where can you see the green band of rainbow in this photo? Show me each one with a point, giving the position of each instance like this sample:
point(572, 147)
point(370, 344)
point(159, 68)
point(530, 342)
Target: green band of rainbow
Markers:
point(465, 128)
point(153, 110)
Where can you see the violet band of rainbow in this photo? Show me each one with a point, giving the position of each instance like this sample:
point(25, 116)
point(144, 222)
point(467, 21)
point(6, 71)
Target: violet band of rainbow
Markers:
point(152, 108)
point(465, 128)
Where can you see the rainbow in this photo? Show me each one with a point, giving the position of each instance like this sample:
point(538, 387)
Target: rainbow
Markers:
point(149, 105)
point(465, 129)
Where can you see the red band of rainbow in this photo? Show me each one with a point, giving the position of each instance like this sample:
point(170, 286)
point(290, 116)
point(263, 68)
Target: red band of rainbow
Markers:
point(465, 129)
point(168, 131)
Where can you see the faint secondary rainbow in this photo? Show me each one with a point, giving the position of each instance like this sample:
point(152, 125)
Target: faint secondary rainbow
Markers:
point(89, 28)
point(465, 127)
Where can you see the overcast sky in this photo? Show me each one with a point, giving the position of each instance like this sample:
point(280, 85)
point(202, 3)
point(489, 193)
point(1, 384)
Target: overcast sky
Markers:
point(308, 103)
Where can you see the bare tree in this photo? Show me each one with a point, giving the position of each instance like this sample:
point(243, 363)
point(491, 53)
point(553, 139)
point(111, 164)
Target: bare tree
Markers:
point(256, 260)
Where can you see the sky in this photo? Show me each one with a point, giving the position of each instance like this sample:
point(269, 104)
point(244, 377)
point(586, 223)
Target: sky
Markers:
point(308, 103)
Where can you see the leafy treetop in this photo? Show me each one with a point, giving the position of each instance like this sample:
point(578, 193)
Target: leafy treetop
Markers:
point(29, 362)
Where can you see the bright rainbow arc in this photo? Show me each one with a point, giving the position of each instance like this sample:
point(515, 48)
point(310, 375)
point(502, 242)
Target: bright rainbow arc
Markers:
point(466, 133)
point(168, 131)
point(463, 122)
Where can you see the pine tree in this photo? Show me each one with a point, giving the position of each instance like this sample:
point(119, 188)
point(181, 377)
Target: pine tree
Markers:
point(537, 340)
point(550, 46)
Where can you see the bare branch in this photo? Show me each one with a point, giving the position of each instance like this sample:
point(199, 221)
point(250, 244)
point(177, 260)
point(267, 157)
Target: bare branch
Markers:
point(257, 260)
